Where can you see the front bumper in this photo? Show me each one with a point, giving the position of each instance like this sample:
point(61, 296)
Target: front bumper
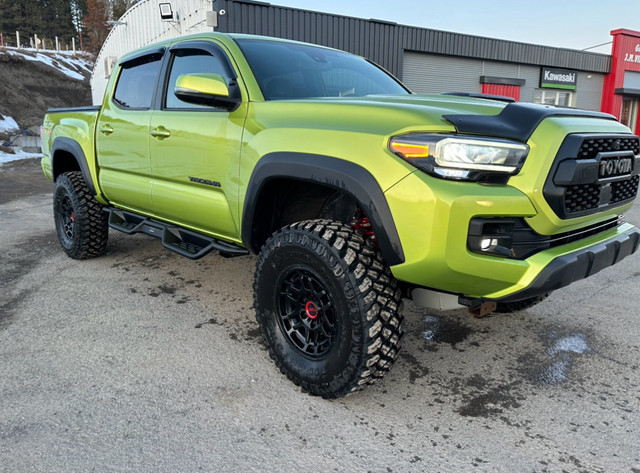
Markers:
point(580, 264)
point(433, 215)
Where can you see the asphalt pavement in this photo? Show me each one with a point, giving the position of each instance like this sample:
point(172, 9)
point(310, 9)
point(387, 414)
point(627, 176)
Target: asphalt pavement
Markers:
point(144, 361)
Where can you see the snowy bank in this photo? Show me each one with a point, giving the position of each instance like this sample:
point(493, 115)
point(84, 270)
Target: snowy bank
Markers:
point(7, 124)
point(7, 157)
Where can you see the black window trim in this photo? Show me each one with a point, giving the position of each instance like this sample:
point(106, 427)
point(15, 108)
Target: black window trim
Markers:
point(212, 48)
point(134, 61)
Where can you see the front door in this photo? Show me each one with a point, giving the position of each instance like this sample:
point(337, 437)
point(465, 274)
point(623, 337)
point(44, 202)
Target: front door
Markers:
point(629, 112)
point(195, 150)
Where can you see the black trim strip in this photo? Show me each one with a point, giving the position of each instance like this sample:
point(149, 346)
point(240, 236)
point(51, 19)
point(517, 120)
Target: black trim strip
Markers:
point(336, 173)
point(516, 121)
point(89, 108)
point(627, 91)
point(142, 57)
point(502, 80)
point(477, 95)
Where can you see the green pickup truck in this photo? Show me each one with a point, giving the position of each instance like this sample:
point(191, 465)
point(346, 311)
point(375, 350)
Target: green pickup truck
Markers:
point(353, 192)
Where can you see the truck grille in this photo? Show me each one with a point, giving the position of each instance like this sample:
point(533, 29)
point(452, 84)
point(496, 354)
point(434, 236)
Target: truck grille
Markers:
point(625, 190)
point(591, 147)
point(592, 173)
point(582, 197)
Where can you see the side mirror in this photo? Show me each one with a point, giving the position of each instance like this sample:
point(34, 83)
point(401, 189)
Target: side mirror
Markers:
point(205, 89)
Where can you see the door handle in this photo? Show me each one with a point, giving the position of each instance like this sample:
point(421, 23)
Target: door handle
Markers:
point(160, 133)
point(106, 129)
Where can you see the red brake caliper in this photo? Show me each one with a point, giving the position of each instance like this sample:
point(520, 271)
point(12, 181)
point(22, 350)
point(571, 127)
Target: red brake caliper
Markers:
point(362, 225)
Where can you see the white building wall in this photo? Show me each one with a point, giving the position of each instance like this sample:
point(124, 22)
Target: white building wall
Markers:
point(141, 25)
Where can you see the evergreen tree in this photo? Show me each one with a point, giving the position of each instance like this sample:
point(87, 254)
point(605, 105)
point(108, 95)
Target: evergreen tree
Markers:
point(11, 17)
point(95, 25)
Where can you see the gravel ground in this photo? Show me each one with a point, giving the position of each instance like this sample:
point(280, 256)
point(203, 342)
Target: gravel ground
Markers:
point(144, 361)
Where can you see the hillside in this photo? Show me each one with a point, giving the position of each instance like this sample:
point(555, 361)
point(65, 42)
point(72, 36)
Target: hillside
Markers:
point(31, 82)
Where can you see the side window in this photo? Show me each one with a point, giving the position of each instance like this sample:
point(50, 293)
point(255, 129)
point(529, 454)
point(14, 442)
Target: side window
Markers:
point(192, 61)
point(135, 85)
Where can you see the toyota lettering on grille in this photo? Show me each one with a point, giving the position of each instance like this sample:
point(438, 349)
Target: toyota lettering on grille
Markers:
point(616, 166)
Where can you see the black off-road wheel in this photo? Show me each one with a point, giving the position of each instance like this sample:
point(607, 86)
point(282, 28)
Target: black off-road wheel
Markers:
point(510, 307)
point(327, 307)
point(81, 223)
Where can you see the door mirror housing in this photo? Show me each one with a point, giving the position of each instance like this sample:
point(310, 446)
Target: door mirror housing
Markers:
point(205, 89)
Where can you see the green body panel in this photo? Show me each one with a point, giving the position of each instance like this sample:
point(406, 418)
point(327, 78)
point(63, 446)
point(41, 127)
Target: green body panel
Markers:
point(204, 146)
point(196, 169)
point(78, 126)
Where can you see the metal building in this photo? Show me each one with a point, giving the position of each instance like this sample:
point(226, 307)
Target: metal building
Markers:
point(426, 60)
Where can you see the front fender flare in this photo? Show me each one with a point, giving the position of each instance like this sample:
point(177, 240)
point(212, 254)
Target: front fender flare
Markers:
point(345, 176)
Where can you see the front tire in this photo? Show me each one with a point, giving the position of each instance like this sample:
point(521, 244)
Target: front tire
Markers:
point(327, 307)
point(81, 223)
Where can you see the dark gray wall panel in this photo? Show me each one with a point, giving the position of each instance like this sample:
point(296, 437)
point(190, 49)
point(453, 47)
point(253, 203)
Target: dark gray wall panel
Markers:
point(385, 43)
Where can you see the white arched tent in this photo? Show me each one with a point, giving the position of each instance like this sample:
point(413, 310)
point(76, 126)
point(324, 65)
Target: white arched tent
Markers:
point(142, 24)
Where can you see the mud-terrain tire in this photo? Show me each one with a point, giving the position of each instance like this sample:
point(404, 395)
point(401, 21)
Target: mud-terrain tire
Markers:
point(81, 223)
point(327, 307)
point(510, 307)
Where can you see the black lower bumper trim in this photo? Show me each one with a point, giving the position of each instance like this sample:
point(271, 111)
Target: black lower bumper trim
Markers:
point(580, 264)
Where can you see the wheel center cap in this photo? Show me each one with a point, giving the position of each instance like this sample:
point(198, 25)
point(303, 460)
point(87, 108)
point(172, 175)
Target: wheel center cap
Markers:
point(312, 310)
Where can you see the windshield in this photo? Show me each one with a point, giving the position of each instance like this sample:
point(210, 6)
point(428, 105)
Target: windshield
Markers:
point(297, 71)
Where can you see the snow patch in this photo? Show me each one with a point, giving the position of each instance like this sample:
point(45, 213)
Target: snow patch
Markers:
point(8, 124)
point(571, 344)
point(64, 62)
point(7, 157)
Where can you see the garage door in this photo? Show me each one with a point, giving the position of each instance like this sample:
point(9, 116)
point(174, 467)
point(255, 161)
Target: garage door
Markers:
point(432, 74)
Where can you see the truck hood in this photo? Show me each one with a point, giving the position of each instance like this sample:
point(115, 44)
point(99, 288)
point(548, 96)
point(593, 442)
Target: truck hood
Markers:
point(411, 113)
point(384, 115)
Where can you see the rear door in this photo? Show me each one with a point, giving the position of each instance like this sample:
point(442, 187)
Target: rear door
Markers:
point(195, 149)
point(122, 135)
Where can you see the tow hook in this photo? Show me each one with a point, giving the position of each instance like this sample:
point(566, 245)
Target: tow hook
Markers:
point(478, 307)
point(483, 309)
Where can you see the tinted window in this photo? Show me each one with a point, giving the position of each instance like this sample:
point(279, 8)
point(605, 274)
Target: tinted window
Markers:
point(190, 61)
point(136, 83)
point(290, 71)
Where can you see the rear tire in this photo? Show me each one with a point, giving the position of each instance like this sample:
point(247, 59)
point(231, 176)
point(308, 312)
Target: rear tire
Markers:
point(327, 307)
point(81, 223)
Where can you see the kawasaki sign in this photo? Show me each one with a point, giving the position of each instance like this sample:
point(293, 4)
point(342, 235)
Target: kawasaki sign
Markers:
point(554, 78)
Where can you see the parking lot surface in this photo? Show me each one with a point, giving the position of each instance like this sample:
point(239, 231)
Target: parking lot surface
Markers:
point(144, 361)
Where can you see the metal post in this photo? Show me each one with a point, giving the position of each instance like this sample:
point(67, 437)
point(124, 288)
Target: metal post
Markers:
point(73, 44)
point(17, 39)
point(57, 44)
point(35, 40)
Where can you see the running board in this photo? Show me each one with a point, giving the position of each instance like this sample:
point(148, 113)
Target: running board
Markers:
point(184, 242)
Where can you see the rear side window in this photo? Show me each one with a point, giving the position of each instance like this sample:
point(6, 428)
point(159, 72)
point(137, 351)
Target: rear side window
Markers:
point(136, 83)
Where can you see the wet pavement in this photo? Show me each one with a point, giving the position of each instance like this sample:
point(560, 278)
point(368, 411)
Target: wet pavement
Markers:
point(144, 361)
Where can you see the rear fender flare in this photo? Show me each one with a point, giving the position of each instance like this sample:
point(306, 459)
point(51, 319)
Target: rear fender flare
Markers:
point(74, 149)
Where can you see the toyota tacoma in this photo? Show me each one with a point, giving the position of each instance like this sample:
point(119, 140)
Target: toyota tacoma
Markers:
point(353, 192)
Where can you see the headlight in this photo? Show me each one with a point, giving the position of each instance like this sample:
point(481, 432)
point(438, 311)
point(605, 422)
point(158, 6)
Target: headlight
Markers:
point(460, 157)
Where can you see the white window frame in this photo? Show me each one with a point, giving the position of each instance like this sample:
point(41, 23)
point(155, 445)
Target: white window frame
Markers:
point(554, 94)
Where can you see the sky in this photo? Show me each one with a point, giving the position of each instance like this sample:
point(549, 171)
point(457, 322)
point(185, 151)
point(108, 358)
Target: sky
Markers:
point(573, 24)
